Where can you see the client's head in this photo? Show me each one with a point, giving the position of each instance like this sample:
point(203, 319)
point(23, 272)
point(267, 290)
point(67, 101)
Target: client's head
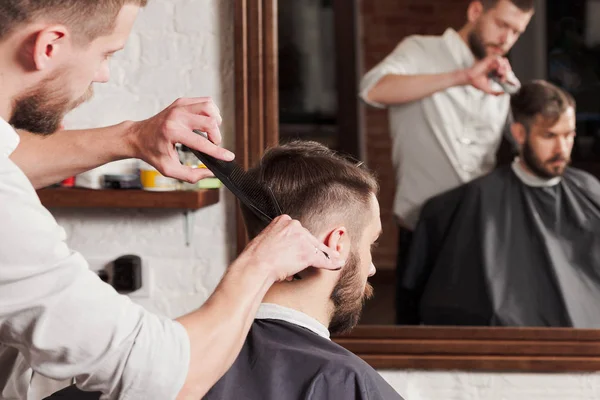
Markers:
point(544, 127)
point(335, 199)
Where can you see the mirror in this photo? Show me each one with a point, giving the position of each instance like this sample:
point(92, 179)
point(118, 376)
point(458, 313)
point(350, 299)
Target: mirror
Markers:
point(319, 78)
point(270, 56)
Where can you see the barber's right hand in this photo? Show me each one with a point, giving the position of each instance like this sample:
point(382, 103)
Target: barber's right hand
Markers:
point(285, 248)
point(478, 75)
point(153, 140)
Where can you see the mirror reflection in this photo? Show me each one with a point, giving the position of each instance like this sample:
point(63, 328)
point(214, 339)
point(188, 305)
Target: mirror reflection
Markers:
point(481, 121)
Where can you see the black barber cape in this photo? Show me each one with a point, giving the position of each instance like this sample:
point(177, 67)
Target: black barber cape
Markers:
point(497, 252)
point(73, 393)
point(283, 361)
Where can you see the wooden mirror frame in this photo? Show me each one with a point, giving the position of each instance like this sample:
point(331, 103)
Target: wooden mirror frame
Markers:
point(389, 347)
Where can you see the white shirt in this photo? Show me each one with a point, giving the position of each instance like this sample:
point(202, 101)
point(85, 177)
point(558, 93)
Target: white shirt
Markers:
point(275, 311)
point(532, 180)
point(60, 319)
point(445, 139)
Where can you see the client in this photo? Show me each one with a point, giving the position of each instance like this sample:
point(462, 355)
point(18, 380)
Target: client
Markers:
point(520, 246)
point(288, 353)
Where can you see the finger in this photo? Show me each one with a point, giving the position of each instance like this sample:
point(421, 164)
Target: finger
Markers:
point(197, 142)
point(501, 74)
point(323, 256)
point(503, 69)
point(281, 219)
point(488, 89)
point(184, 101)
point(495, 92)
point(184, 173)
point(278, 223)
point(208, 109)
point(206, 124)
point(492, 63)
point(197, 174)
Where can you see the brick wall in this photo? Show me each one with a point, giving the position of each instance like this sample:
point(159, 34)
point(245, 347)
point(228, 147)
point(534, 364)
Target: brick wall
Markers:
point(383, 23)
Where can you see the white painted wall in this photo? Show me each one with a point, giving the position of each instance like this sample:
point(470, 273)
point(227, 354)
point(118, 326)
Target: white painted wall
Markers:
point(185, 48)
point(455, 385)
point(179, 48)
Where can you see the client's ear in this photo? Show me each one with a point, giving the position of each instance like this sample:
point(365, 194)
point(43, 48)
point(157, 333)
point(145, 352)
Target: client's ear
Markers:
point(339, 240)
point(519, 133)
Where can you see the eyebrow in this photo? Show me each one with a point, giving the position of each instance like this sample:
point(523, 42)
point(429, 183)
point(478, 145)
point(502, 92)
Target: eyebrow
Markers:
point(560, 134)
point(510, 25)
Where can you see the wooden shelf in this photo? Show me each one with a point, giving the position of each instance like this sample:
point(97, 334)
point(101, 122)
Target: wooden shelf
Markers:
point(106, 198)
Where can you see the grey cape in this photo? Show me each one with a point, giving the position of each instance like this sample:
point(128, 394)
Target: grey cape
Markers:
point(498, 252)
point(283, 361)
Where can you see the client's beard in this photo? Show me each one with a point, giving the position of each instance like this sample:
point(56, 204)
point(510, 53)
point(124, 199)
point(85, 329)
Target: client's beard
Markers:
point(43, 108)
point(348, 297)
point(537, 166)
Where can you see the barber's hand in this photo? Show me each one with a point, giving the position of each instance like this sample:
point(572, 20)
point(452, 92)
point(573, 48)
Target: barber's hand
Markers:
point(154, 139)
point(478, 74)
point(285, 248)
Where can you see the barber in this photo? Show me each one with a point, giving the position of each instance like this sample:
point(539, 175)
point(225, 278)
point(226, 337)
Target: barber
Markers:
point(57, 317)
point(446, 114)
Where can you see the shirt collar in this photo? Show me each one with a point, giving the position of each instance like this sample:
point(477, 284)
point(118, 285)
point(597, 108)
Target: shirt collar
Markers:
point(9, 139)
point(275, 311)
point(462, 54)
point(532, 180)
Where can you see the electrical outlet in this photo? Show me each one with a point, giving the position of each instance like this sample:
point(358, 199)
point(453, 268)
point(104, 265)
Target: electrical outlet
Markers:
point(98, 264)
point(146, 290)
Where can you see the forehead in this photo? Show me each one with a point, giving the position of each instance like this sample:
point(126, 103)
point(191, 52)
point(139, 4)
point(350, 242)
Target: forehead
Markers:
point(509, 12)
point(566, 122)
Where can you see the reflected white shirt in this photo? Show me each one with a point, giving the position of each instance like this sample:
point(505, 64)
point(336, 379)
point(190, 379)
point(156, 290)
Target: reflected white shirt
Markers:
point(443, 140)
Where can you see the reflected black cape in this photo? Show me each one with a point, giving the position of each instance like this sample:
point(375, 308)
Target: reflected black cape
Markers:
point(497, 252)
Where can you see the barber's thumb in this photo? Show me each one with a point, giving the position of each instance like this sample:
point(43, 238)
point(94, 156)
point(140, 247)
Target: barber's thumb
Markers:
point(189, 174)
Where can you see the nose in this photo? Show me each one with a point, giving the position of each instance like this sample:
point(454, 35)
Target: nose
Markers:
point(103, 73)
point(372, 270)
point(562, 145)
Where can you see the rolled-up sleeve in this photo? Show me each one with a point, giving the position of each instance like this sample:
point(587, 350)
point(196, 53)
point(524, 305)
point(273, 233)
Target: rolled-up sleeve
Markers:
point(67, 322)
point(402, 61)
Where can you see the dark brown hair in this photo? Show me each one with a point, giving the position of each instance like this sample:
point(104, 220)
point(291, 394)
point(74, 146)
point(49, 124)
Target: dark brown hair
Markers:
point(524, 5)
point(539, 98)
point(313, 184)
point(88, 19)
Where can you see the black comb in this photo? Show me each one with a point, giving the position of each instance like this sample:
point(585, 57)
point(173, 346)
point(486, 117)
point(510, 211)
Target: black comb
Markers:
point(260, 200)
point(254, 195)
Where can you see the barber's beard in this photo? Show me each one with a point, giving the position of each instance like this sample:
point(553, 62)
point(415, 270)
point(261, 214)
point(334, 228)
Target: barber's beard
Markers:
point(477, 45)
point(42, 109)
point(349, 297)
point(543, 169)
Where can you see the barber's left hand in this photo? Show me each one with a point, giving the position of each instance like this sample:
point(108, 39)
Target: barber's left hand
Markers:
point(154, 139)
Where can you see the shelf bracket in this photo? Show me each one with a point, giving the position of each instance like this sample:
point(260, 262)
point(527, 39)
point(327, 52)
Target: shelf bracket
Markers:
point(189, 218)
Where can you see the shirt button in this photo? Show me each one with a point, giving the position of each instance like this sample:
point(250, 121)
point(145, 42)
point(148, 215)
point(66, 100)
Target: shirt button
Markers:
point(466, 141)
